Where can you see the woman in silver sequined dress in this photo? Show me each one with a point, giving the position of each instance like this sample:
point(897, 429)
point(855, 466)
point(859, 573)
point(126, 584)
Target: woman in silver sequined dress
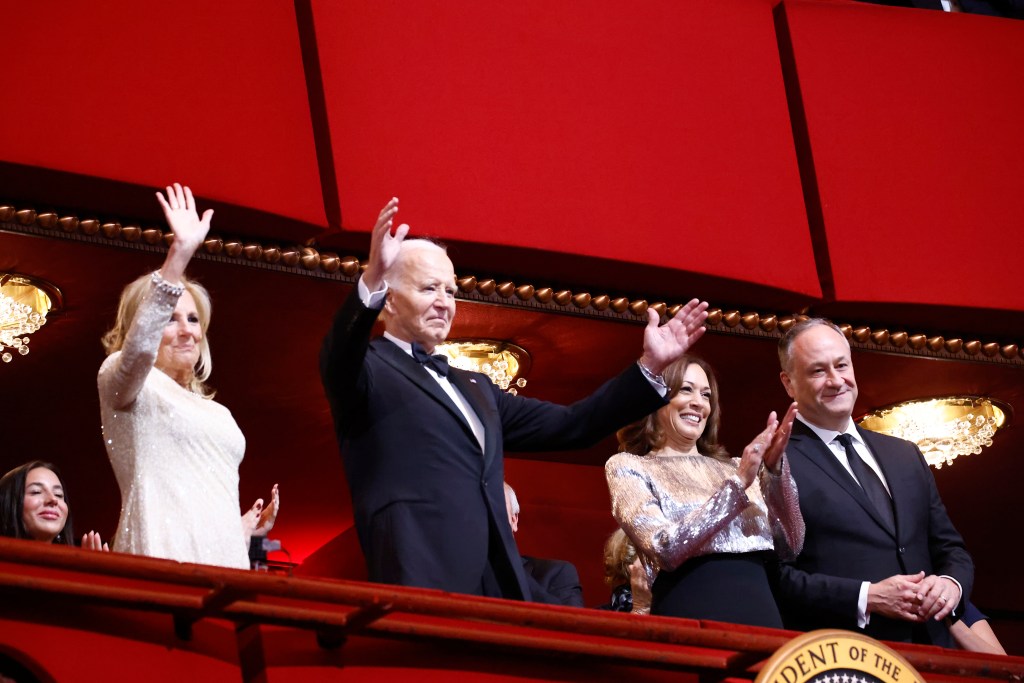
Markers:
point(174, 450)
point(703, 531)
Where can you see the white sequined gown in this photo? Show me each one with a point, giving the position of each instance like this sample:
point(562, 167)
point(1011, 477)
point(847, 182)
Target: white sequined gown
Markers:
point(175, 454)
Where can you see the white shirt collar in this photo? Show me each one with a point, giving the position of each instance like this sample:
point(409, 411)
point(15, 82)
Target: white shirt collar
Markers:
point(829, 435)
point(404, 345)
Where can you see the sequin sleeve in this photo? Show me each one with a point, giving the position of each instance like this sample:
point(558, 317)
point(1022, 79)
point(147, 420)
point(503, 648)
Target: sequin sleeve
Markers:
point(783, 503)
point(670, 536)
point(122, 375)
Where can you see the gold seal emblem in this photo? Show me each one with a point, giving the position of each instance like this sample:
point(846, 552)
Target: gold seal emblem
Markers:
point(835, 656)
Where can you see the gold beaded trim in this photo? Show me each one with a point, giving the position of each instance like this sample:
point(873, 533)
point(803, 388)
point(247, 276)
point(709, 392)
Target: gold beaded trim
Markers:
point(308, 260)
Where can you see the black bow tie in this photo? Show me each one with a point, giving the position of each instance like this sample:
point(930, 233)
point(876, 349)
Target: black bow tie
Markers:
point(438, 363)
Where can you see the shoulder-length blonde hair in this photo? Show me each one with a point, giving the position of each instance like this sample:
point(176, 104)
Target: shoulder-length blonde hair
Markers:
point(619, 553)
point(133, 295)
point(646, 435)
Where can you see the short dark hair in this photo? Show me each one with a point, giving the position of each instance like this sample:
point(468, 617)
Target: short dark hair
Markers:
point(789, 338)
point(644, 435)
point(12, 503)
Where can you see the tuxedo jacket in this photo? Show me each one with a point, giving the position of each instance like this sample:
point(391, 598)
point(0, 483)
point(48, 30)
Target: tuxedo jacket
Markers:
point(553, 582)
point(429, 504)
point(847, 542)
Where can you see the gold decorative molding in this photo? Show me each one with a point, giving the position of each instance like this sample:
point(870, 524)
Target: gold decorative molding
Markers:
point(310, 261)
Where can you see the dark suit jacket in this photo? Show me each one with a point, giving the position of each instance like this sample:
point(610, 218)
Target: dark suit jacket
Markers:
point(553, 582)
point(429, 505)
point(847, 542)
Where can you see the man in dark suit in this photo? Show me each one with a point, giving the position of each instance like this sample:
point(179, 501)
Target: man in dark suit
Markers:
point(880, 553)
point(553, 582)
point(423, 445)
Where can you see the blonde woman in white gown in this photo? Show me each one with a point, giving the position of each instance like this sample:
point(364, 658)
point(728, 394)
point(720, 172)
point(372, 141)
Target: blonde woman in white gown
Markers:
point(174, 450)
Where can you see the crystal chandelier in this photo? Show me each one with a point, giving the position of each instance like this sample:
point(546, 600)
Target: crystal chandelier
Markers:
point(24, 303)
point(503, 362)
point(943, 428)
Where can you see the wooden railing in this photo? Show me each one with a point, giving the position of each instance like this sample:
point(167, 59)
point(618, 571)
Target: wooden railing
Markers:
point(34, 578)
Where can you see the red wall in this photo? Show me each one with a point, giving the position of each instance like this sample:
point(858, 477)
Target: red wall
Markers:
point(914, 124)
point(659, 134)
point(653, 133)
point(209, 93)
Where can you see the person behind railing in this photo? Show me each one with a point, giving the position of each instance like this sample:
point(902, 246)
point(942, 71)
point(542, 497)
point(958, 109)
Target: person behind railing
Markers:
point(881, 555)
point(257, 523)
point(691, 511)
point(174, 450)
point(623, 571)
point(552, 582)
point(34, 505)
point(423, 444)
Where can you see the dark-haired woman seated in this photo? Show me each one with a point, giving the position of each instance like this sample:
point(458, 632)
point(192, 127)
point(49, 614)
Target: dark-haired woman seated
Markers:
point(34, 505)
point(702, 531)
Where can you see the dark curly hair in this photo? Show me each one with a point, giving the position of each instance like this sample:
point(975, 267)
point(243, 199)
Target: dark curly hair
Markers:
point(12, 500)
point(645, 435)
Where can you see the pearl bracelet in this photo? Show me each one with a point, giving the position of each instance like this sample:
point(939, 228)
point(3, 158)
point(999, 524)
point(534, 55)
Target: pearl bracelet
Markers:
point(166, 287)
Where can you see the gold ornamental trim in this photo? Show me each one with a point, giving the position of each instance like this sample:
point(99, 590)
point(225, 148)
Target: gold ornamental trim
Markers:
point(836, 656)
point(309, 261)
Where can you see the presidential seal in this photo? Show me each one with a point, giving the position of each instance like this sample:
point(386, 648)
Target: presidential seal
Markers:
point(835, 656)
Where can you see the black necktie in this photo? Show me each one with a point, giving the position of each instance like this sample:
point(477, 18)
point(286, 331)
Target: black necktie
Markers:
point(438, 363)
point(869, 481)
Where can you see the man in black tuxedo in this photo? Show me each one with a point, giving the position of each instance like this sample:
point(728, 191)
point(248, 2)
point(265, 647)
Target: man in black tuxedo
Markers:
point(423, 445)
point(880, 553)
point(553, 582)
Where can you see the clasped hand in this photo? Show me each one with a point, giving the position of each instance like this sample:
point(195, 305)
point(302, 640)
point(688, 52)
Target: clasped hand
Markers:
point(913, 597)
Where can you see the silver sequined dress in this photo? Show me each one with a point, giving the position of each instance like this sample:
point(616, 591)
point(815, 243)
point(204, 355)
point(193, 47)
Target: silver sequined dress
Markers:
point(678, 507)
point(175, 454)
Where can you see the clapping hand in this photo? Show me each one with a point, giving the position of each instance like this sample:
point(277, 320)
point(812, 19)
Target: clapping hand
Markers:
point(92, 541)
point(767, 447)
point(257, 520)
point(780, 438)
